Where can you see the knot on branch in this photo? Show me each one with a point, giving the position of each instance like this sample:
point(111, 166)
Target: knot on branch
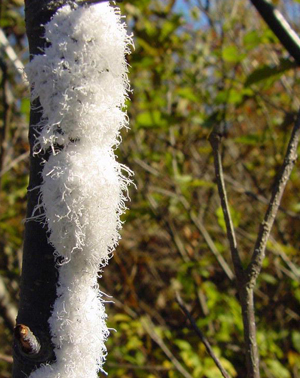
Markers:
point(28, 341)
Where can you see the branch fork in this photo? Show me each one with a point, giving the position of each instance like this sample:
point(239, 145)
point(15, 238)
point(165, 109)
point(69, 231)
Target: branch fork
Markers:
point(246, 278)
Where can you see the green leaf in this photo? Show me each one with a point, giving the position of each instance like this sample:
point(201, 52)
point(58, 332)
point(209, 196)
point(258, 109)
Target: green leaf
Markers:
point(268, 71)
point(146, 46)
point(150, 119)
point(168, 28)
point(268, 278)
point(277, 369)
point(252, 39)
point(183, 345)
point(234, 215)
point(249, 140)
point(188, 93)
point(201, 183)
point(25, 107)
point(296, 340)
point(232, 54)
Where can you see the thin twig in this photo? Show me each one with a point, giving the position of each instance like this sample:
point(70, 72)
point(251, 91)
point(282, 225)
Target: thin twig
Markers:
point(255, 265)
point(7, 307)
point(137, 367)
point(10, 52)
point(201, 336)
point(293, 272)
point(246, 279)
point(13, 163)
point(212, 246)
point(200, 227)
point(258, 197)
point(245, 292)
point(149, 328)
point(6, 112)
point(215, 141)
point(6, 358)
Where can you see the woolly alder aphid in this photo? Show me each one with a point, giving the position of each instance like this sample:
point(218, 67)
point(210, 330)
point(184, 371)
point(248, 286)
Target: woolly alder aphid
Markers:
point(82, 85)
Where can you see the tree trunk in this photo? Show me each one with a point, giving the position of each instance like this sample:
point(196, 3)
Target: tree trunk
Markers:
point(39, 275)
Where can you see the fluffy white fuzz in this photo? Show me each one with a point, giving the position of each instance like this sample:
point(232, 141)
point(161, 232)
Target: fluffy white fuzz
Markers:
point(81, 83)
point(81, 79)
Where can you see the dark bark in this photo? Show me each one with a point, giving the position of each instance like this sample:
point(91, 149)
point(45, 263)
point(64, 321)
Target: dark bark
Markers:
point(39, 275)
point(279, 27)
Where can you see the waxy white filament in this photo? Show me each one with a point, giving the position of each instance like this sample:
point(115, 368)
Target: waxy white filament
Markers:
point(81, 83)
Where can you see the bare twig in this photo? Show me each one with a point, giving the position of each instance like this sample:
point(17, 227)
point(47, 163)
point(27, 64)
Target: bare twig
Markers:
point(255, 265)
point(258, 197)
point(212, 246)
point(149, 328)
point(178, 241)
point(245, 293)
point(13, 163)
point(293, 268)
point(200, 227)
point(6, 358)
point(201, 336)
point(6, 111)
point(7, 308)
point(10, 52)
point(246, 279)
point(293, 271)
point(215, 141)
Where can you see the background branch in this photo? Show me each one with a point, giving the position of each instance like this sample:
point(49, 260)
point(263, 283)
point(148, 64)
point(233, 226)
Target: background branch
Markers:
point(280, 27)
point(255, 265)
point(246, 280)
point(149, 327)
point(10, 52)
point(7, 307)
point(201, 336)
point(215, 141)
point(245, 293)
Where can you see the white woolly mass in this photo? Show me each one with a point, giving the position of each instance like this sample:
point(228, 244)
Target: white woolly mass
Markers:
point(83, 200)
point(81, 83)
point(81, 79)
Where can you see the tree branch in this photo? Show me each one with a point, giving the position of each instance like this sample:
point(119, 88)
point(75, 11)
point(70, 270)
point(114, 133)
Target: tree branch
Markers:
point(211, 245)
point(7, 308)
point(246, 279)
point(39, 274)
point(6, 358)
point(149, 328)
point(215, 140)
point(280, 27)
point(245, 293)
point(201, 336)
point(246, 297)
point(10, 52)
point(255, 265)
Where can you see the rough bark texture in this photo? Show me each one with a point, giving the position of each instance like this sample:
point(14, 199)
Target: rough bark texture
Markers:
point(39, 275)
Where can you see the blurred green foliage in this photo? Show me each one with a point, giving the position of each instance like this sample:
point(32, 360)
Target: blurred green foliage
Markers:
point(192, 67)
